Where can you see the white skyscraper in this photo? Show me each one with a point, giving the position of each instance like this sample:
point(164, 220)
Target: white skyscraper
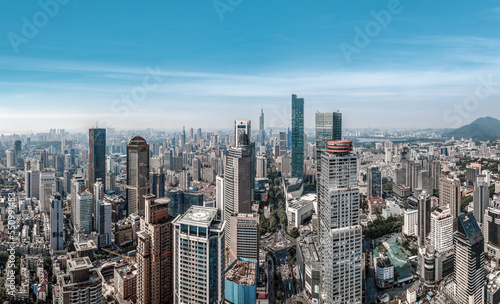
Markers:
point(47, 189)
point(340, 231)
point(83, 212)
point(261, 167)
point(410, 222)
point(481, 198)
point(219, 192)
point(199, 261)
point(57, 223)
point(442, 229)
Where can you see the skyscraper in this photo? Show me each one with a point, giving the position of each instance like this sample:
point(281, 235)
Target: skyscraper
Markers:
point(199, 262)
point(469, 261)
point(83, 212)
point(340, 231)
point(442, 229)
point(240, 127)
point(449, 192)
point(424, 217)
point(102, 221)
point(57, 221)
point(262, 132)
point(374, 181)
point(297, 137)
point(154, 253)
point(47, 188)
point(245, 236)
point(237, 181)
point(481, 198)
point(137, 174)
point(492, 230)
point(97, 158)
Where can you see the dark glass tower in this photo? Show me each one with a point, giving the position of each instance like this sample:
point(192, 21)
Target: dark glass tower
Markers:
point(297, 137)
point(137, 174)
point(97, 158)
point(328, 128)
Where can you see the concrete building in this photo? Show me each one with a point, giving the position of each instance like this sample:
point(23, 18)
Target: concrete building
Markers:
point(424, 217)
point(47, 189)
point(410, 227)
point(374, 182)
point(154, 253)
point(81, 283)
point(384, 273)
point(182, 200)
point(491, 230)
point(83, 212)
point(245, 236)
point(300, 210)
point(481, 198)
point(240, 285)
point(57, 224)
point(442, 229)
point(261, 167)
point(469, 261)
point(125, 283)
point(340, 231)
point(199, 274)
point(240, 127)
point(297, 137)
point(449, 192)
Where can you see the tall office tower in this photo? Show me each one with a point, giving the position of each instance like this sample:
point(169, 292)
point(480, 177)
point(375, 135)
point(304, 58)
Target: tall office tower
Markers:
point(77, 186)
point(11, 159)
point(491, 230)
point(34, 184)
point(388, 155)
point(261, 167)
point(196, 169)
point(219, 195)
point(182, 138)
point(110, 181)
point(262, 131)
point(481, 198)
point(47, 188)
point(198, 134)
point(181, 201)
point(157, 180)
point(97, 157)
point(57, 222)
point(442, 229)
point(83, 212)
point(191, 134)
point(297, 137)
point(102, 215)
point(137, 174)
point(240, 127)
point(44, 158)
point(449, 192)
point(67, 177)
point(424, 217)
point(80, 284)
point(237, 181)
point(374, 180)
point(199, 247)
point(471, 173)
point(282, 144)
point(245, 236)
point(59, 163)
point(154, 253)
point(469, 261)
point(17, 154)
point(340, 231)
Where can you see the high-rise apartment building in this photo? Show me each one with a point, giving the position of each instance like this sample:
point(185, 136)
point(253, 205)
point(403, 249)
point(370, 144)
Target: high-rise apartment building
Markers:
point(374, 182)
point(80, 284)
point(83, 212)
point(261, 167)
point(491, 230)
point(137, 174)
point(424, 217)
point(297, 137)
point(449, 192)
point(199, 262)
point(340, 230)
point(154, 253)
point(442, 229)
point(469, 261)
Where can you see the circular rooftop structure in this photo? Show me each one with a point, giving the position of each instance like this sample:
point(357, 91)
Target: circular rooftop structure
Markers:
point(342, 147)
point(138, 141)
point(199, 215)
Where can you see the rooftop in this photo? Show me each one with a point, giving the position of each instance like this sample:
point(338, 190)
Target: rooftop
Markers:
point(197, 215)
point(242, 273)
point(302, 201)
point(87, 245)
point(79, 264)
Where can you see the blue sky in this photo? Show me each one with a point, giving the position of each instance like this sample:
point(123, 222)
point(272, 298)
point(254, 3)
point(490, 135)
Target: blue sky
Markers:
point(164, 64)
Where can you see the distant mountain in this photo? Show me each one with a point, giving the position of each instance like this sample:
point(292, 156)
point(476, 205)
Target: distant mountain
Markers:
point(484, 128)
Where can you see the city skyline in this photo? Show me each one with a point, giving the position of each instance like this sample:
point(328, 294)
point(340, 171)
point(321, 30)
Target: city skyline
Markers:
point(76, 81)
